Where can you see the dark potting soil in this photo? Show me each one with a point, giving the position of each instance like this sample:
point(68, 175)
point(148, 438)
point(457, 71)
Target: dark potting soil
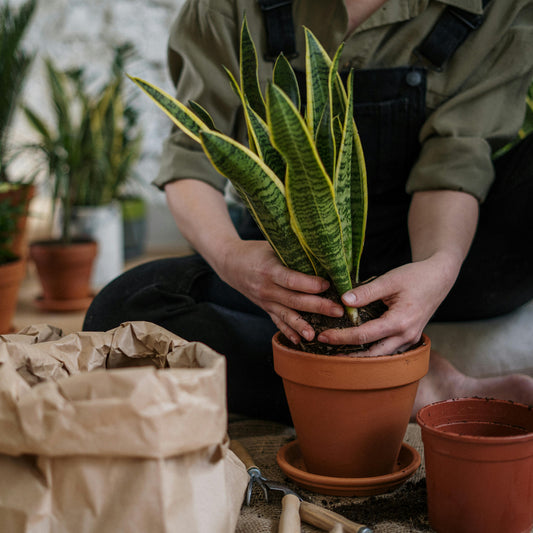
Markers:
point(407, 508)
point(322, 323)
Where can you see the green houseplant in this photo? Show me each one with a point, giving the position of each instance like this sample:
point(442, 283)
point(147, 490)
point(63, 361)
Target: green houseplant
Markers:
point(14, 66)
point(89, 153)
point(303, 180)
point(12, 267)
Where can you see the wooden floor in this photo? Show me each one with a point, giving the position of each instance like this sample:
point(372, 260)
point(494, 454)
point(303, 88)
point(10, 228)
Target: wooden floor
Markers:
point(28, 313)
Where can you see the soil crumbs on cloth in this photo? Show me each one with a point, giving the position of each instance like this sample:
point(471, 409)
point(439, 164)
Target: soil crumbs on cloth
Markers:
point(408, 508)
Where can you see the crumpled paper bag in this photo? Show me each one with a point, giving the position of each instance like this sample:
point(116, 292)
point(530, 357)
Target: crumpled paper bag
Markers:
point(121, 431)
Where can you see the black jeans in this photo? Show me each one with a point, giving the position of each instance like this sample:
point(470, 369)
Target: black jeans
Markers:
point(186, 297)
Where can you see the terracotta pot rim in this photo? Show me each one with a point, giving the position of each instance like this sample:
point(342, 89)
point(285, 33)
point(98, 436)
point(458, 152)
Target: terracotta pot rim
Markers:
point(424, 413)
point(361, 359)
point(58, 244)
point(351, 373)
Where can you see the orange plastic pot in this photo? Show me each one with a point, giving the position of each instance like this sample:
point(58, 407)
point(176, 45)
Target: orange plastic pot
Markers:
point(350, 413)
point(479, 465)
point(11, 276)
point(64, 271)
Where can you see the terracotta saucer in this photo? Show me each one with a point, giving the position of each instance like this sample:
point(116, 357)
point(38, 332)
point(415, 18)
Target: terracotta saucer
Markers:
point(78, 304)
point(290, 461)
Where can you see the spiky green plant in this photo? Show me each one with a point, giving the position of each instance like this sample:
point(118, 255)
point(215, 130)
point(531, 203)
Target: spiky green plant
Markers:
point(14, 65)
point(303, 175)
point(94, 143)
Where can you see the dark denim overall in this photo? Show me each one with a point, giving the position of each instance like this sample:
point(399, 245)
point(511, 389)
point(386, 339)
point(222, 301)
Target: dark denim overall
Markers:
point(186, 297)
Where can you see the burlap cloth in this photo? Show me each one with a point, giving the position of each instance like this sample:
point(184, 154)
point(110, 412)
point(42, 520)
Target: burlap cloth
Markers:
point(399, 511)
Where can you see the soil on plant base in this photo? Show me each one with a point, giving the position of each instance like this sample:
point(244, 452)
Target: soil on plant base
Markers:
point(322, 323)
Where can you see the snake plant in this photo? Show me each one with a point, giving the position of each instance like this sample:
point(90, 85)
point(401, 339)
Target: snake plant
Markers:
point(302, 176)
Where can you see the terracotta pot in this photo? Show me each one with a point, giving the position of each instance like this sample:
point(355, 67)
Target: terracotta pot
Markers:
point(350, 413)
point(64, 272)
point(11, 276)
point(479, 465)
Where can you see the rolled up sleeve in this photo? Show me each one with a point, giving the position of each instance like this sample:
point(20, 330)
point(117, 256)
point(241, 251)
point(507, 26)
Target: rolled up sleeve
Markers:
point(201, 44)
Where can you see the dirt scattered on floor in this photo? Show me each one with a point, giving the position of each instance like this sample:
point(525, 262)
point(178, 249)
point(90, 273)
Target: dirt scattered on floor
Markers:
point(408, 508)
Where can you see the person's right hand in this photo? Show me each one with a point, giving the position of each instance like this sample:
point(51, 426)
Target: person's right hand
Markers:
point(252, 268)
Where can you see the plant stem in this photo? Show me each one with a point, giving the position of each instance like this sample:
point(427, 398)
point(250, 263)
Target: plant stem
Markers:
point(353, 314)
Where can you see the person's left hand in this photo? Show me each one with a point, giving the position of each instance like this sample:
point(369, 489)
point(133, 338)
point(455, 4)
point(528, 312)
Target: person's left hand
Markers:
point(412, 294)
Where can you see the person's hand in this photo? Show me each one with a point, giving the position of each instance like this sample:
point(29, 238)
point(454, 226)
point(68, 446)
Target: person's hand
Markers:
point(412, 294)
point(252, 268)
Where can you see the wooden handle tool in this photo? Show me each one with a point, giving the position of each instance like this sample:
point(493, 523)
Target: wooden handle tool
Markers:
point(325, 519)
point(289, 521)
point(242, 453)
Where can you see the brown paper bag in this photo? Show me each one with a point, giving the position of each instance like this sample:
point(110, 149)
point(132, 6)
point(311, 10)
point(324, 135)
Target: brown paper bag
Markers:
point(90, 444)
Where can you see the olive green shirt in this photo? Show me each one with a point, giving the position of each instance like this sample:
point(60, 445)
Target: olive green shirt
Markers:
point(474, 105)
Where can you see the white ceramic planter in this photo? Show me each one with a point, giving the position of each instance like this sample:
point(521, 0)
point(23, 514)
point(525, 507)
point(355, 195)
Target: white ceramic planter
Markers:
point(104, 225)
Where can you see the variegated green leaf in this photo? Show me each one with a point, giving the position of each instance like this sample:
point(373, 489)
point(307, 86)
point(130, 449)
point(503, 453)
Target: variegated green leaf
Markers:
point(325, 142)
point(262, 140)
point(336, 97)
point(284, 77)
point(359, 192)
point(309, 191)
point(237, 90)
point(183, 117)
point(337, 132)
point(202, 114)
point(249, 72)
point(258, 135)
point(263, 192)
point(325, 133)
point(343, 176)
point(317, 63)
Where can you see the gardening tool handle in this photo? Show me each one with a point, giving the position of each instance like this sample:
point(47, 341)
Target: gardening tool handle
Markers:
point(242, 453)
point(289, 521)
point(325, 519)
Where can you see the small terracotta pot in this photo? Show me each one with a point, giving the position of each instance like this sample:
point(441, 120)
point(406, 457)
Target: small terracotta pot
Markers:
point(11, 276)
point(64, 270)
point(350, 413)
point(479, 465)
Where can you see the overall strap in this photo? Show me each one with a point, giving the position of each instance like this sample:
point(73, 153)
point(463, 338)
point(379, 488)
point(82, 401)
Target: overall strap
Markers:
point(279, 28)
point(448, 33)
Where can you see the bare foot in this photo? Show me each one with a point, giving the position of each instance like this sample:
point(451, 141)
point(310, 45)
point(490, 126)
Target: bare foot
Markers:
point(443, 382)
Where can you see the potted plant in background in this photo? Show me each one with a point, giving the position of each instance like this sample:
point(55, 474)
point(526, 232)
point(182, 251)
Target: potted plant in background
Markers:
point(12, 266)
point(14, 66)
point(89, 153)
point(303, 179)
